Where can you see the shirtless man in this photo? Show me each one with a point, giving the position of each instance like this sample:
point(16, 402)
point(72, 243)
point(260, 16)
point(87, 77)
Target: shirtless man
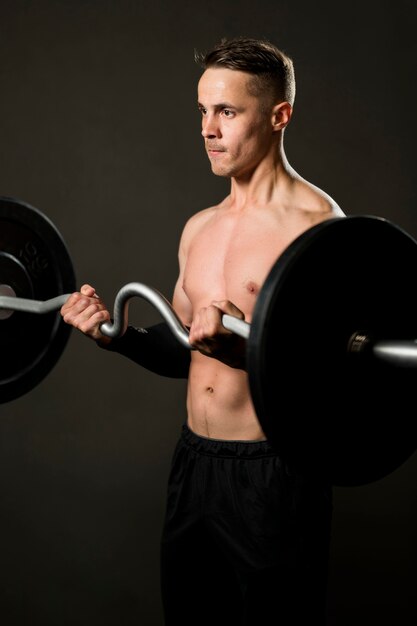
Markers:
point(246, 537)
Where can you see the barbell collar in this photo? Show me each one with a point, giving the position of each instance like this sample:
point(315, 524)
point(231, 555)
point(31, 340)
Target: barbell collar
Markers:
point(397, 352)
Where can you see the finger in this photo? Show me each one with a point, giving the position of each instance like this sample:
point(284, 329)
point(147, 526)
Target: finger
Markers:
point(206, 325)
point(88, 290)
point(81, 309)
point(91, 325)
point(213, 321)
point(89, 320)
point(228, 307)
point(195, 331)
point(73, 298)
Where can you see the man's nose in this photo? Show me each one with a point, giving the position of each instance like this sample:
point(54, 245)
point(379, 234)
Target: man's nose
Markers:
point(210, 128)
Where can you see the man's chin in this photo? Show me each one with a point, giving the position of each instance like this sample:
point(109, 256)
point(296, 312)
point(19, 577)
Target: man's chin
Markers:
point(219, 171)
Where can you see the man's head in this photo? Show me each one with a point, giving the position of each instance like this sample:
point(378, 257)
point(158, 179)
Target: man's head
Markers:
point(245, 97)
point(272, 71)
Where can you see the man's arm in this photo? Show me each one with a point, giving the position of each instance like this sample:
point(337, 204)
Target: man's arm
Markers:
point(180, 301)
point(211, 338)
point(154, 348)
point(86, 311)
point(207, 333)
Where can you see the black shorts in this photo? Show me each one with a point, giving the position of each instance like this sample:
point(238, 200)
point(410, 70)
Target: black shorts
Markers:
point(245, 538)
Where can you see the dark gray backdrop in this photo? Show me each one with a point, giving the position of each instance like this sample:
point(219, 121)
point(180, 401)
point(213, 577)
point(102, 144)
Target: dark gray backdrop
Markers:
point(99, 130)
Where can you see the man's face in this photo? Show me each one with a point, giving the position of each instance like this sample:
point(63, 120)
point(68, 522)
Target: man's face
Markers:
point(237, 130)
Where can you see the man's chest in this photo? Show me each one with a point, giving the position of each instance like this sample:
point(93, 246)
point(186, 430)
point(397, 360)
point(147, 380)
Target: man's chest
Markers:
point(226, 263)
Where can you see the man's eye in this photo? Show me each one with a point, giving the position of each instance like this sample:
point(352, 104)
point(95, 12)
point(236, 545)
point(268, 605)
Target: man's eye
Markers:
point(227, 113)
point(202, 110)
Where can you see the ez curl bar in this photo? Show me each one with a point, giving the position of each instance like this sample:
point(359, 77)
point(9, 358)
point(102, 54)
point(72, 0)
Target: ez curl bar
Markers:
point(331, 347)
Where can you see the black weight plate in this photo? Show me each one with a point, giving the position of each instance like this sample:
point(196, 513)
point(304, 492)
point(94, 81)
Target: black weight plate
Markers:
point(36, 264)
point(322, 406)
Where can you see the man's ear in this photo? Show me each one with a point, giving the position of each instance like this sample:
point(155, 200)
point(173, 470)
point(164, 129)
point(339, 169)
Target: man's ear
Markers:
point(281, 115)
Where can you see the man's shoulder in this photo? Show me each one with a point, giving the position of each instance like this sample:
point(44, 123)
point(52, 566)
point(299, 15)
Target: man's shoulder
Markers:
point(201, 216)
point(315, 201)
point(195, 224)
point(199, 219)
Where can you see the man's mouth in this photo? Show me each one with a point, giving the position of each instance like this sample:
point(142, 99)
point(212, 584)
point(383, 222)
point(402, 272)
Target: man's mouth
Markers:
point(213, 149)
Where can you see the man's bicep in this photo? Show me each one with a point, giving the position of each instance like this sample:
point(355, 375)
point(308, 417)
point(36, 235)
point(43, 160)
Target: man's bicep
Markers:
point(180, 300)
point(182, 304)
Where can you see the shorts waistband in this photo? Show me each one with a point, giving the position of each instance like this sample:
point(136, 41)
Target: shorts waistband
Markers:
point(226, 447)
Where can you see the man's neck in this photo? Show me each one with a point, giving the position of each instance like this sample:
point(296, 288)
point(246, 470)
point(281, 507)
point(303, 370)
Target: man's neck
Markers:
point(271, 178)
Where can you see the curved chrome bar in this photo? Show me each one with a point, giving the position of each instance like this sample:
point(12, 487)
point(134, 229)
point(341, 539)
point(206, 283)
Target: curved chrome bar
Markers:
point(154, 297)
point(161, 304)
point(33, 306)
point(121, 310)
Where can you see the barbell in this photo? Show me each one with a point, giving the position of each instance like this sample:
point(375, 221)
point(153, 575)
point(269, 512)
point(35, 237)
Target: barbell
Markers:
point(331, 349)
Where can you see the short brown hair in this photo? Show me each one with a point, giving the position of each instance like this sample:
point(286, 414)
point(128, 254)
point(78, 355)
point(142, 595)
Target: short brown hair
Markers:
point(272, 69)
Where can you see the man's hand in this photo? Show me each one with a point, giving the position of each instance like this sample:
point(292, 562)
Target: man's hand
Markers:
point(86, 311)
point(211, 338)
